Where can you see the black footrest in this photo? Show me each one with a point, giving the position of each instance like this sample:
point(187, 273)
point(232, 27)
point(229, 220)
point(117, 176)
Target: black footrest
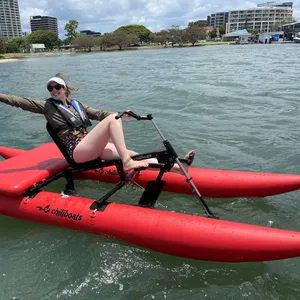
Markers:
point(156, 166)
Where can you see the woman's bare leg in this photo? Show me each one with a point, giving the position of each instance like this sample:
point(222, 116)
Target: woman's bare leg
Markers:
point(110, 152)
point(94, 143)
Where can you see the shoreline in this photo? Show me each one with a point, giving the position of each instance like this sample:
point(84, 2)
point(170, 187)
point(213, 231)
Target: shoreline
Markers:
point(14, 57)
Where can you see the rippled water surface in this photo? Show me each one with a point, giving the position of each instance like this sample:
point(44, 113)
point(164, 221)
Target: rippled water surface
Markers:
point(237, 106)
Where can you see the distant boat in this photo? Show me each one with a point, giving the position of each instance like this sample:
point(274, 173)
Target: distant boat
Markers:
point(297, 38)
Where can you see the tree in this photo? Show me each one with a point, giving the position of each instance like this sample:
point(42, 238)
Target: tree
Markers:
point(254, 31)
point(17, 44)
point(140, 31)
point(2, 45)
point(175, 35)
point(84, 42)
point(199, 23)
point(213, 33)
point(123, 39)
point(222, 29)
point(194, 33)
point(99, 42)
point(46, 37)
point(108, 40)
point(162, 37)
point(71, 27)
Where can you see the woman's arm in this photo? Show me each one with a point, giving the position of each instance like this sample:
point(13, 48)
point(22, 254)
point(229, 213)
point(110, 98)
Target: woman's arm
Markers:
point(95, 114)
point(35, 106)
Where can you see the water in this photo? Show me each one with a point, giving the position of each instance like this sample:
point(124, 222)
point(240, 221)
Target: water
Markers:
point(237, 106)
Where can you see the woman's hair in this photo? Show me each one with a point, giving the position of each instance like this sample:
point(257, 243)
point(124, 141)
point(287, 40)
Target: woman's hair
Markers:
point(70, 89)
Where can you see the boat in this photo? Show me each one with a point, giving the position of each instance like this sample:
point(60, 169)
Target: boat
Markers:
point(212, 183)
point(297, 38)
point(24, 174)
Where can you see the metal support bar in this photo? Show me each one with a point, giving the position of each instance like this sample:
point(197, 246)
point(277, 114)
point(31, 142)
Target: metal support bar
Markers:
point(37, 188)
point(117, 187)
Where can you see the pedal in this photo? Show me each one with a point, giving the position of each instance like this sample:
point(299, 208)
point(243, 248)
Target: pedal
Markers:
point(140, 169)
point(156, 166)
point(150, 166)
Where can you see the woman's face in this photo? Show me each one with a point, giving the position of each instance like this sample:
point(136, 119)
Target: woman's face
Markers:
point(57, 91)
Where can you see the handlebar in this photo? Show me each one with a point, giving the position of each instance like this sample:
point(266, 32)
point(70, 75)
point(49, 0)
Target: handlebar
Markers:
point(133, 115)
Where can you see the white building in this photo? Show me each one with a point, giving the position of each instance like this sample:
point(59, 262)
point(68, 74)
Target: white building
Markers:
point(262, 19)
point(37, 48)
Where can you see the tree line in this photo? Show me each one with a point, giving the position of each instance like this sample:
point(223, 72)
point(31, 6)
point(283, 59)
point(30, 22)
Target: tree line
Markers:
point(123, 37)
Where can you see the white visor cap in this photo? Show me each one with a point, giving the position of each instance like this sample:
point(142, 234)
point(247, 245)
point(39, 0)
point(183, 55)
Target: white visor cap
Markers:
point(57, 80)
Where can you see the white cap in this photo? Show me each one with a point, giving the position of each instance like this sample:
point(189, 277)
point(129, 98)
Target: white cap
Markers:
point(57, 80)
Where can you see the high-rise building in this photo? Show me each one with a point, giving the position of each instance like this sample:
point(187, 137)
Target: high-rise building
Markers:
point(43, 23)
point(10, 24)
point(218, 19)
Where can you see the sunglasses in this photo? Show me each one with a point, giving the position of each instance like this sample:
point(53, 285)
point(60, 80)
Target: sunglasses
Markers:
point(50, 88)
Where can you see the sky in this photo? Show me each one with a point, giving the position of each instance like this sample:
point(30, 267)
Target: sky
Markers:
point(107, 15)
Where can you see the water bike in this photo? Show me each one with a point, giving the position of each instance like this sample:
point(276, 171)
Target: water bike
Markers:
point(24, 174)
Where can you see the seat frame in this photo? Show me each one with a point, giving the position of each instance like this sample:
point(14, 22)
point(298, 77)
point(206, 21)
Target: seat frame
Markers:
point(150, 194)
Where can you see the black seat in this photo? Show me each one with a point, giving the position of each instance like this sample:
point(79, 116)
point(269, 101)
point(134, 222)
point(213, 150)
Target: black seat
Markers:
point(78, 166)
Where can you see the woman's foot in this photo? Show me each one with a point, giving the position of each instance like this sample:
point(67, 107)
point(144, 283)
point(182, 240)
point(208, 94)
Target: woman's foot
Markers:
point(186, 163)
point(189, 157)
point(131, 164)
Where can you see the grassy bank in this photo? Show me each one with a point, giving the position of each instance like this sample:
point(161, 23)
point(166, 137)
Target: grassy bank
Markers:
point(24, 55)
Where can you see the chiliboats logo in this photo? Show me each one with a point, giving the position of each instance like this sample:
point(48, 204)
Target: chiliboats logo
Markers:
point(106, 172)
point(60, 212)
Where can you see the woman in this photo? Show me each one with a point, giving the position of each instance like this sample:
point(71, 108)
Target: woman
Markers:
point(70, 120)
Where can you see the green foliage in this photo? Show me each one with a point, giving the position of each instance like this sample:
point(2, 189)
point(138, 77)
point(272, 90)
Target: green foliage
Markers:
point(46, 37)
point(161, 37)
point(175, 35)
point(140, 31)
point(2, 45)
point(123, 39)
point(108, 40)
point(254, 31)
point(222, 29)
point(275, 27)
point(84, 42)
point(213, 33)
point(199, 23)
point(99, 42)
point(17, 45)
point(194, 33)
point(71, 27)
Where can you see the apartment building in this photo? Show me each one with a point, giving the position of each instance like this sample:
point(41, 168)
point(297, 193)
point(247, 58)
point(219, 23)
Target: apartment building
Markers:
point(43, 23)
point(10, 24)
point(274, 4)
point(218, 19)
point(262, 18)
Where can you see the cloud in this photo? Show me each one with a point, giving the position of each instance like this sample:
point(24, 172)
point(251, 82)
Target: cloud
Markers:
point(108, 15)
